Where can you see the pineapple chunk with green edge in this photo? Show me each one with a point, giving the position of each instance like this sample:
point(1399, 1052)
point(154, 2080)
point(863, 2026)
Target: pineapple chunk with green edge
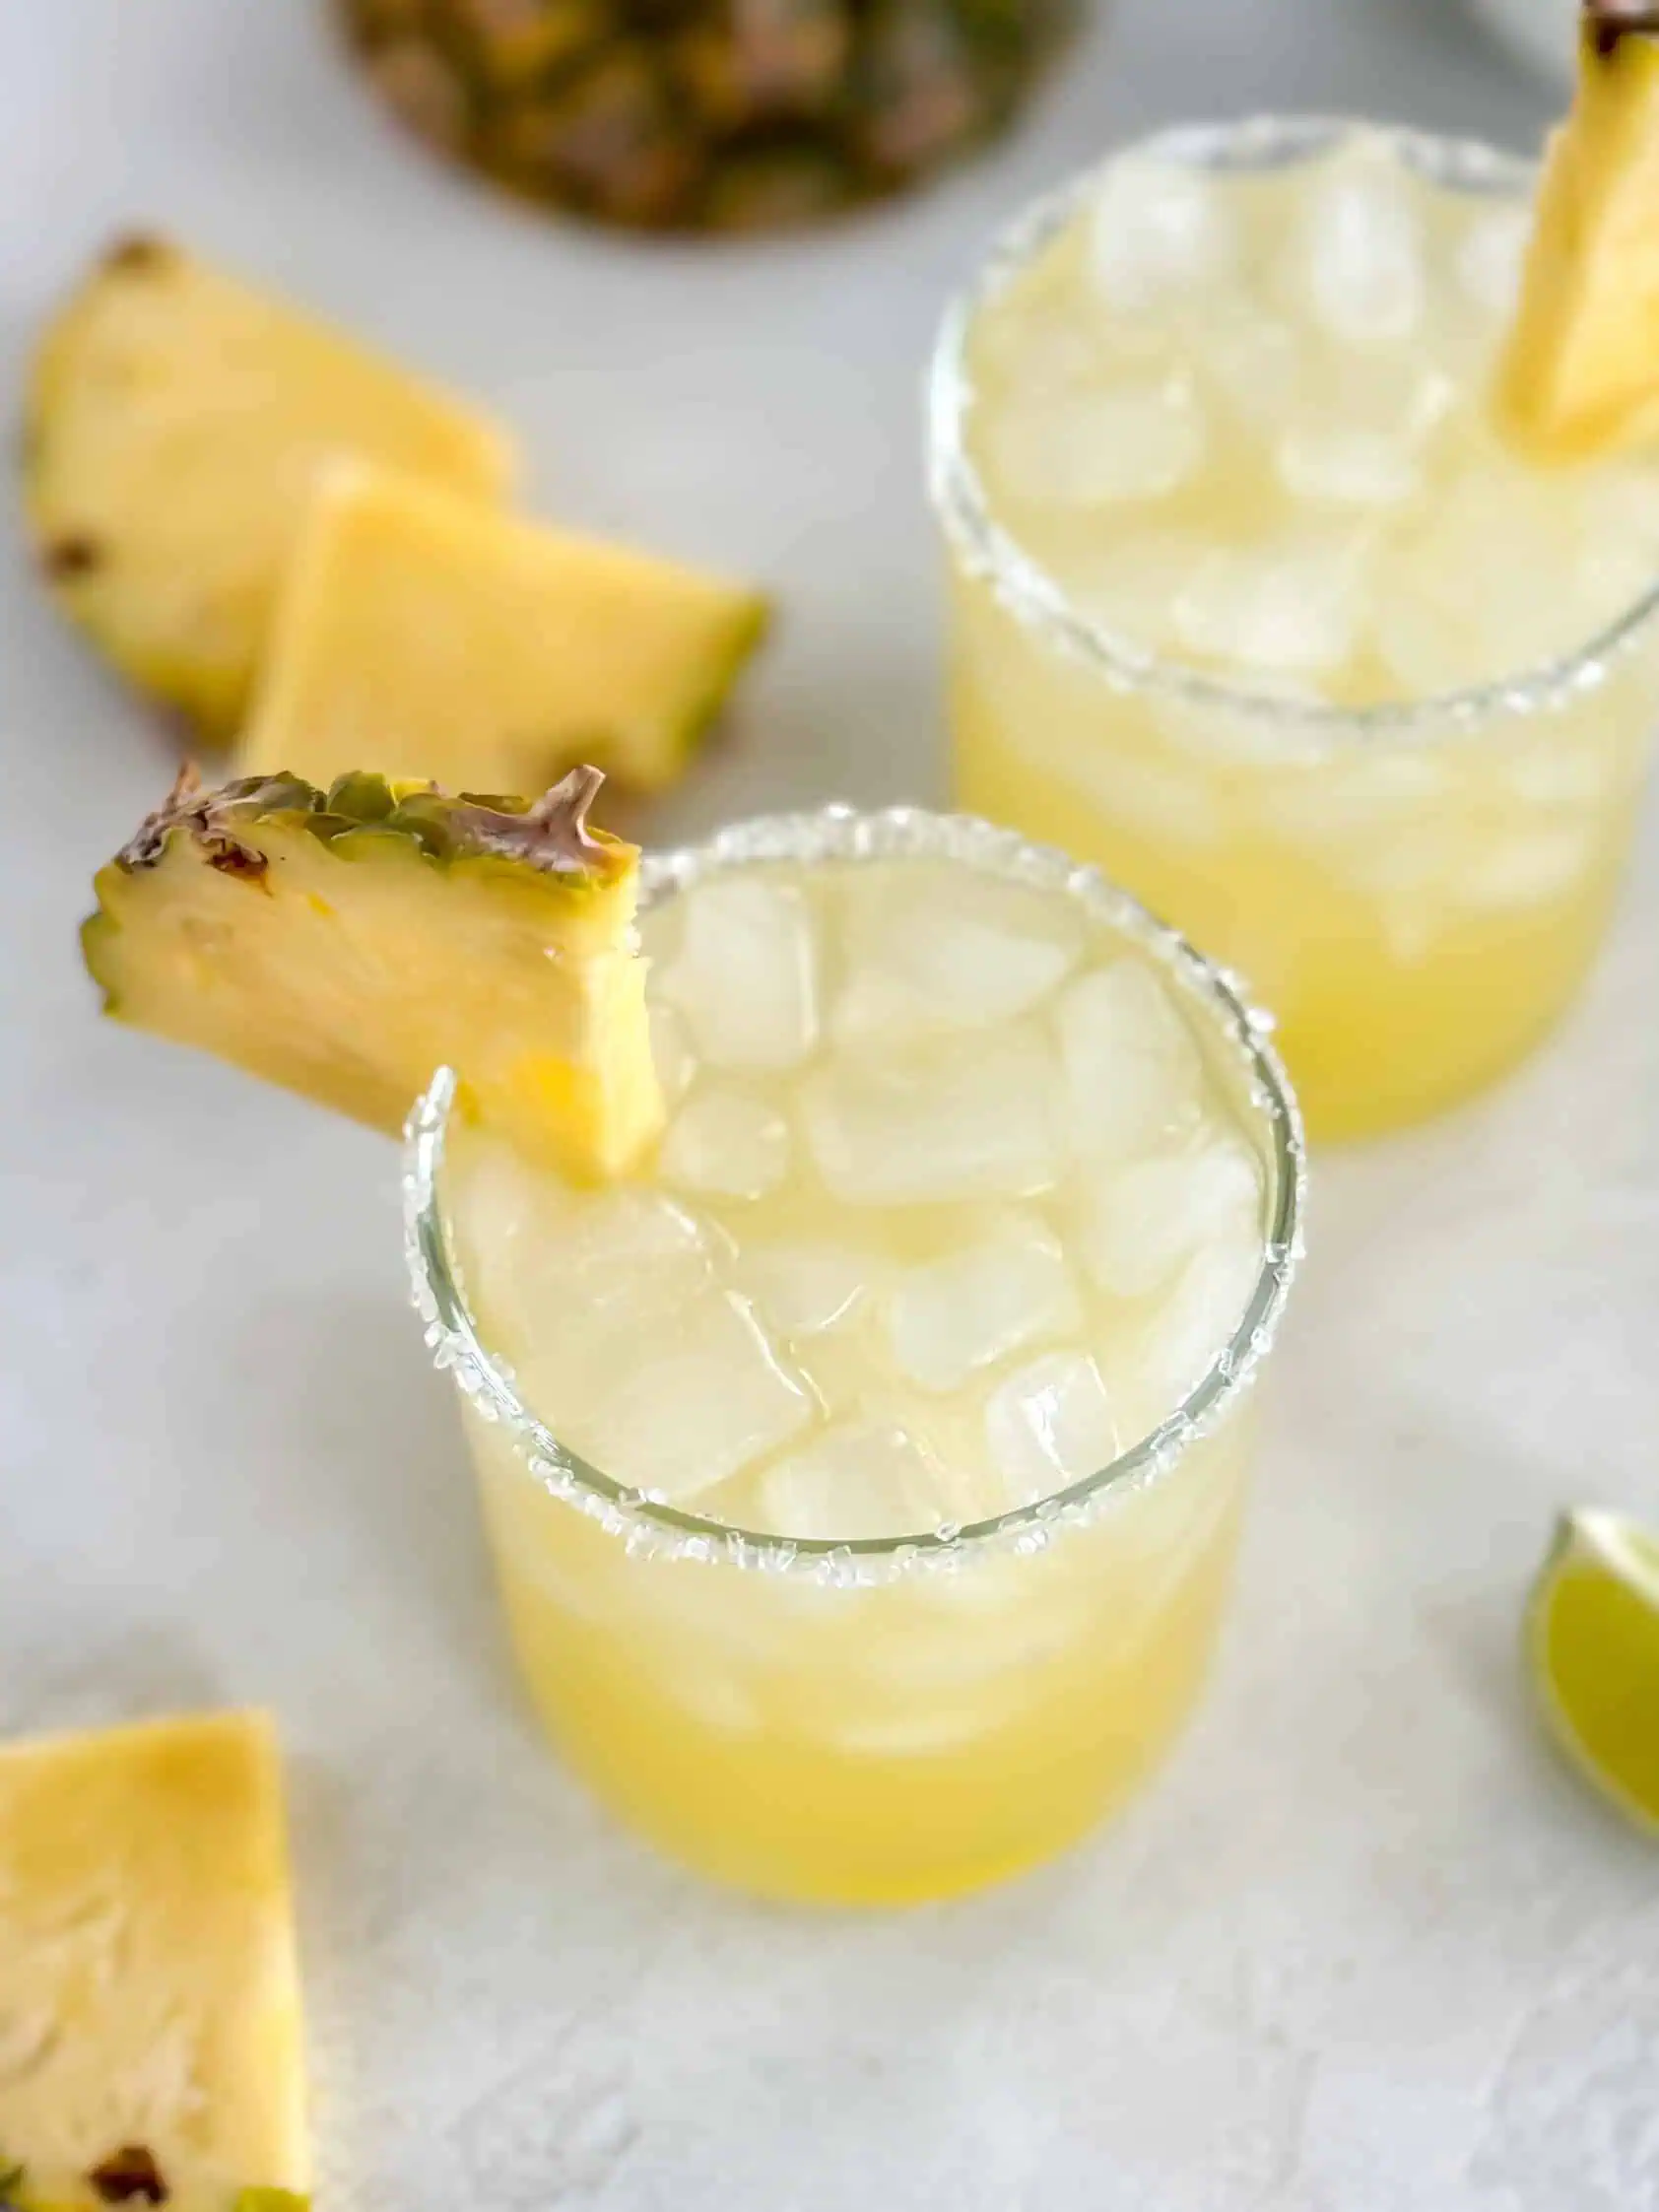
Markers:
point(422, 635)
point(175, 421)
point(17, 2196)
point(348, 943)
point(149, 1972)
point(1580, 371)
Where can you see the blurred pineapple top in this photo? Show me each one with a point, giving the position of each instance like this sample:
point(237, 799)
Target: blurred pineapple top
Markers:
point(703, 115)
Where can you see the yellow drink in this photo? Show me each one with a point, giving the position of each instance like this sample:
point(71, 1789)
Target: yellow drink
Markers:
point(1252, 606)
point(900, 1444)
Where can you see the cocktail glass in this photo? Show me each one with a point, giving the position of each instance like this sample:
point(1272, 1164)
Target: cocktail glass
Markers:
point(876, 1720)
point(1413, 868)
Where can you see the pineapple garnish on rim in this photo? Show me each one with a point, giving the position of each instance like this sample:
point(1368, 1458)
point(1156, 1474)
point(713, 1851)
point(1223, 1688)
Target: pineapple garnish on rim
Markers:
point(1580, 372)
point(421, 634)
point(347, 943)
point(176, 422)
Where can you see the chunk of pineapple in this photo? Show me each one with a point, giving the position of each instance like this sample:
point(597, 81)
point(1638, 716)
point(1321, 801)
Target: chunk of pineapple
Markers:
point(148, 1969)
point(1580, 371)
point(176, 420)
point(347, 944)
point(424, 636)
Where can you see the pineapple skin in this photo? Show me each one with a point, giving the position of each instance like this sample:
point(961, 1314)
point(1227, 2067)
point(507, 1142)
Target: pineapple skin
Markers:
point(344, 944)
point(703, 114)
point(1580, 371)
point(422, 635)
point(162, 1847)
point(176, 419)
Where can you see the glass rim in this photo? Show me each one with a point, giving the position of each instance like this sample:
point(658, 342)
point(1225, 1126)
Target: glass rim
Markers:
point(840, 834)
point(1033, 598)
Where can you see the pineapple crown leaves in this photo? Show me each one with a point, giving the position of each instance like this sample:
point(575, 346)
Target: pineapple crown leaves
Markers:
point(549, 834)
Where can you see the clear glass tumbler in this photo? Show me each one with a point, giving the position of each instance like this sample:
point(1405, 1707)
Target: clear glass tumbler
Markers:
point(1416, 887)
point(883, 1720)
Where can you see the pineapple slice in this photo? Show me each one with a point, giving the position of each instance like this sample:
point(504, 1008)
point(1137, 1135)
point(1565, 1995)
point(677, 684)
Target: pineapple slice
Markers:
point(149, 2034)
point(422, 635)
point(1580, 372)
point(347, 944)
point(175, 421)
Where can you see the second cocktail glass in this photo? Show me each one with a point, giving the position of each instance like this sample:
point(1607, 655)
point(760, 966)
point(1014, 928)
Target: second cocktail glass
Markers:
point(1252, 606)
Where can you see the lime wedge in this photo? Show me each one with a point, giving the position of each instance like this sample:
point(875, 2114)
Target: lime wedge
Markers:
point(1593, 1648)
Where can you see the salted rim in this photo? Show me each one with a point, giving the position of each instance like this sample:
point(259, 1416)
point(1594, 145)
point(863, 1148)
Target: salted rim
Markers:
point(840, 834)
point(1033, 598)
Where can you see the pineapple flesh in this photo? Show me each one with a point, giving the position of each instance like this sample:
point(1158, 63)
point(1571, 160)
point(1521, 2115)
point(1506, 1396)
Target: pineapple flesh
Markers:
point(176, 420)
point(1580, 372)
point(422, 636)
point(148, 1976)
point(703, 114)
point(348, 943)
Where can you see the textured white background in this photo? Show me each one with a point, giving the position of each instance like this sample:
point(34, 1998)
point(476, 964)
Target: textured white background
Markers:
point(1364, 1950)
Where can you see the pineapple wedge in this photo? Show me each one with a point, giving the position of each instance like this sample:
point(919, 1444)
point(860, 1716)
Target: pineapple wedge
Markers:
point(1580, 372)
point(347, 944)
point(148, 1987)
point(175, 421)
point(422, 636)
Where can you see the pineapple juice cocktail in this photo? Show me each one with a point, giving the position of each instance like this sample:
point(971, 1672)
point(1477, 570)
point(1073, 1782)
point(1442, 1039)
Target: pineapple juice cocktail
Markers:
point(1253, 604)
point(863, 1477)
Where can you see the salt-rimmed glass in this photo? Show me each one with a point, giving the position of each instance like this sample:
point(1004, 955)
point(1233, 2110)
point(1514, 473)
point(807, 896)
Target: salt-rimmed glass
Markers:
point(881, 1719)
point(1416, 887)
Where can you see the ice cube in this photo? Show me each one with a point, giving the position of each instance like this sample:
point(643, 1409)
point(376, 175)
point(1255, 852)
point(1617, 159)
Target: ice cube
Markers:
point(744, 975)
point(1132, 1071)
point(1256, 735)
point(1495, 557)
point(1113, 444)
point(1364, 799)
point(558, 1269)
point(1344, 465)
point(1528, 870)
point(854, 1480)
point(1158, 232)
point(1292, 604)
point(1617, 557)
point(1050, 1424)
point(962, 1116)
point(804, 1289)
point(1491, 257)
point(1141, 1222)
point(1257, 362)
point(671, 1053)
point(1131, 587)
point(1190, 1330)
point(1360, 259)
point(1036, 354)
point(726, 1141)
point(1565, 769)
point(943, 948)
point(1136, 794)
point(684, 1403)
point(1427, 648)
point(976, 1304)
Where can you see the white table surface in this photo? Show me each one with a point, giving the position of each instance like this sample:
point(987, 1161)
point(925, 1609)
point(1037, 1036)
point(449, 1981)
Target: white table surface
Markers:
point(1365, 1949)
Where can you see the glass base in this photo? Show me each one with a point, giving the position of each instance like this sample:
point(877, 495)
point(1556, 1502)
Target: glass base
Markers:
point(792, 1821)
point(869, 1746)
point(1373, 1041)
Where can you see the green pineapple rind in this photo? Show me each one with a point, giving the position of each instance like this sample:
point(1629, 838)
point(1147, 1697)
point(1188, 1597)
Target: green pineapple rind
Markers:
point(357, 814)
